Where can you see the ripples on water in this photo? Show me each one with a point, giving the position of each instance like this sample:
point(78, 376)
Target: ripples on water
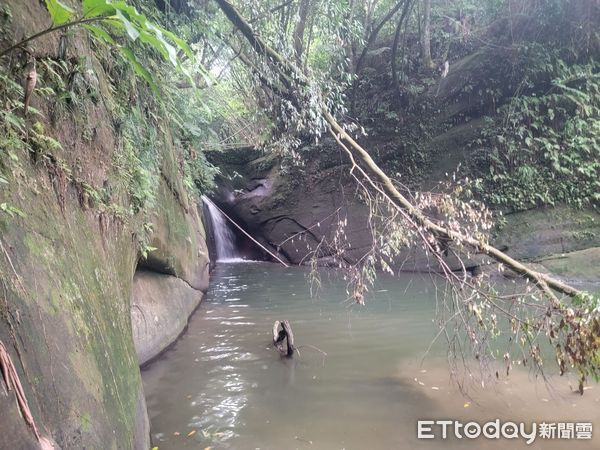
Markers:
point(224, 386)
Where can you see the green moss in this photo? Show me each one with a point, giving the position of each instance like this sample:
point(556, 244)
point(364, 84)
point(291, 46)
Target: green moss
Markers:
point(56, 302)
point(85, 421)
point(78, 285)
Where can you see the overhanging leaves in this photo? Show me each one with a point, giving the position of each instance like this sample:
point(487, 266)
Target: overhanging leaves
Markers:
point(59, 12)
point(103, 18)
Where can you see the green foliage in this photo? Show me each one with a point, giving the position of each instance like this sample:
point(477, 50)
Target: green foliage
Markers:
point(11, 210)
point(137, 161)
point(12, 127)
point(200, 174)
point(59, 12)
point(146, 125)
point(545, 149)
point(144, 237)
point(105, 18)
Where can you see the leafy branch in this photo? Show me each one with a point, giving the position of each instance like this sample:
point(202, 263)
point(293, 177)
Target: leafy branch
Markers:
point(103, 18)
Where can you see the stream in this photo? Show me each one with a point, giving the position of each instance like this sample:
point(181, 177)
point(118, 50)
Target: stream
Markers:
point(223, 384)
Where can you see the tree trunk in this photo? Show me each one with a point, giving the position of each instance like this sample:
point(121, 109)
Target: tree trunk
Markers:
point(426, 36)
point(350, 45)
point(394, 63)
point(370, 42)
point(282, 331)
point(373, 36)
point(298, 39)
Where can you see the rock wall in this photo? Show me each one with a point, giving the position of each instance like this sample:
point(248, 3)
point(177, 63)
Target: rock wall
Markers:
point(297, 211)
point(299, 218)
point(294, 217)
point(169, 284)
point(161, 307)
point(70, 245)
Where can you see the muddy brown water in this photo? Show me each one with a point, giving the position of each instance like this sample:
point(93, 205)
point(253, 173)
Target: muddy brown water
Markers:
point(223, 385)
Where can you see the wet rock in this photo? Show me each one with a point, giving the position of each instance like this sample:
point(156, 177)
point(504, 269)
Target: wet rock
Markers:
point(538, 233)
point(160, 308)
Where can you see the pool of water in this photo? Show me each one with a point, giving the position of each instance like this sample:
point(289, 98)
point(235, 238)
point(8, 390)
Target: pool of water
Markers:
point(223, 385)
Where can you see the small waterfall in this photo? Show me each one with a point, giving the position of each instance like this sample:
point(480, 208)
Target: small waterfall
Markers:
point(224, 237)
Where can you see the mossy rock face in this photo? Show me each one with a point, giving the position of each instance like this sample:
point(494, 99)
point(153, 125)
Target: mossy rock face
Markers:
point(67, 280)
point(179, 239)
point(543, 232)
point(67, 263)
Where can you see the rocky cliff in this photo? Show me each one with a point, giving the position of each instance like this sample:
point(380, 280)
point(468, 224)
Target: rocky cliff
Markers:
point(88, 273)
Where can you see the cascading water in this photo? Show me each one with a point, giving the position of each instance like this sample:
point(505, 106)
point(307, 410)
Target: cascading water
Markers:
point(224, 237)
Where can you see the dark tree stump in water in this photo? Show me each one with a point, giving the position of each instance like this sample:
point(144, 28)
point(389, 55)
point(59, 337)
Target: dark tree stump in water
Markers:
point(282, 331)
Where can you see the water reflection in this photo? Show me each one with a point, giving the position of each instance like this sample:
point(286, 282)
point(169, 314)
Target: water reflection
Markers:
point(224, 386)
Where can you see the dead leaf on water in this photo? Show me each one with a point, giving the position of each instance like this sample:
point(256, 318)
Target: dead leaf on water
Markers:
point(176, 433)
point(191, 433)
point(466, 405)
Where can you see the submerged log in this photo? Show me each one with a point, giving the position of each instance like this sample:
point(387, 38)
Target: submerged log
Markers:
point(282, 331)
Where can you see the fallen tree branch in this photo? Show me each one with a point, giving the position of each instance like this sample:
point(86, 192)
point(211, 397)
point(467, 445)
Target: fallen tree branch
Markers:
point(545, 282)
point(542, 280)
point(573, 328)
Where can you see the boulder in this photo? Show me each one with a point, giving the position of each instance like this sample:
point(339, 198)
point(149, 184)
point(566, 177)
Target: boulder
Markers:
point(160, 307)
